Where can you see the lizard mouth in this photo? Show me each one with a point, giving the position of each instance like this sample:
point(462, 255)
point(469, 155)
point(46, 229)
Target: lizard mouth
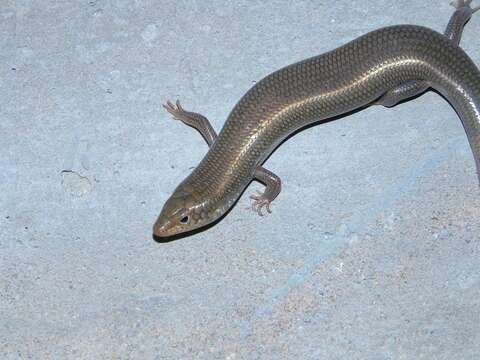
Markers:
point(162, 232)
point(165, 230)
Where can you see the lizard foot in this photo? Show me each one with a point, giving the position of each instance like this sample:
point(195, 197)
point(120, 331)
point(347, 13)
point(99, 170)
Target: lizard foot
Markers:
point(177, 111)
point(259, 202)
point(458, 4)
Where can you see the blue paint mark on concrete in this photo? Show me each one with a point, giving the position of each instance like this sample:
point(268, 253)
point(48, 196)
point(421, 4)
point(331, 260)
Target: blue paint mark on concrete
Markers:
point(359, 221)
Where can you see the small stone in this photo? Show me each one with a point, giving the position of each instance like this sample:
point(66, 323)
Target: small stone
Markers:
point(75, 184)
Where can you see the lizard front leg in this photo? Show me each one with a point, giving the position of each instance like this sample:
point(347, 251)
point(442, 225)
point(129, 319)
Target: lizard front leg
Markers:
point(199, 122)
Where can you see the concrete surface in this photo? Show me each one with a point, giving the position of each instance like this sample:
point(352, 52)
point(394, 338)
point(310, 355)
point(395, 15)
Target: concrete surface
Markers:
point(372, 250)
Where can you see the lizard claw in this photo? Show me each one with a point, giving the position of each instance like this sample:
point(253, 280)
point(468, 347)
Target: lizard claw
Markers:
point(458, 4)
point(259, 202)
point(179, 106)
point(176, 110)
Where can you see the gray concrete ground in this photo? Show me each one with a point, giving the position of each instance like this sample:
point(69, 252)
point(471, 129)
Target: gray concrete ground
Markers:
point(372, 250)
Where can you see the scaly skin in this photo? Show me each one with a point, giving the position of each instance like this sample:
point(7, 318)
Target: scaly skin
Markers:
point(321, 87)
point(454, 32)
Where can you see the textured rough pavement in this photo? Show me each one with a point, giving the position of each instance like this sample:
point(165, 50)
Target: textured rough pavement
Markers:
point(372, 250)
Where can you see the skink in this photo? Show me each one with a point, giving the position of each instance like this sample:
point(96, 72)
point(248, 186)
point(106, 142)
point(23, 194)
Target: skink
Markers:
point(382, 67)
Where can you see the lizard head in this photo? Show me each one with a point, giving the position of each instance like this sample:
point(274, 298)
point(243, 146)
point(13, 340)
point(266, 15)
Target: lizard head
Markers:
point(184, 211)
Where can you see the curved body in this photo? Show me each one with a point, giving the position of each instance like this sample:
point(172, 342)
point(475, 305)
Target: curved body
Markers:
point(332, 84)
point(453, 31)
point(321, 87)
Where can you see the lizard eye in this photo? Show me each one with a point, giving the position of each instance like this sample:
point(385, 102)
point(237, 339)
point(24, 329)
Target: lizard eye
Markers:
point(184, 220)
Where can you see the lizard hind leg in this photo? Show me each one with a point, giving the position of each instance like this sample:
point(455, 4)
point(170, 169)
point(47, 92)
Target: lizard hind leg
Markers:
point(454, 32)
point(459, 4)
